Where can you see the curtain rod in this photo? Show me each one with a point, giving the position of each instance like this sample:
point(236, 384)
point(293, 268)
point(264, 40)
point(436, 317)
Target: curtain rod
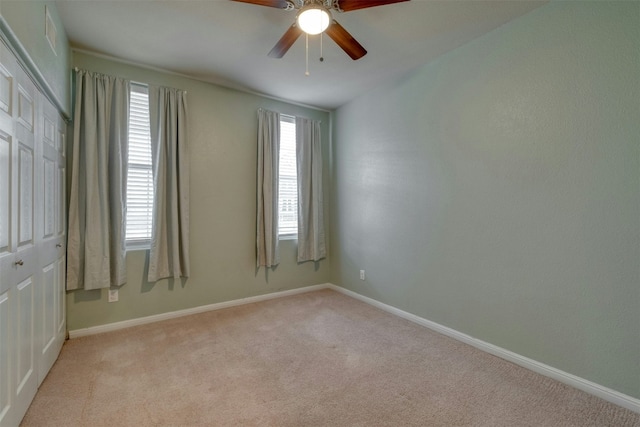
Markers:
point(139, 83)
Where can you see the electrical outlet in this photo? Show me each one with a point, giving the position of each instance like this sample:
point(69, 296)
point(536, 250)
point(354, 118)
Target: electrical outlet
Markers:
point(113, 295)
point(362, 276)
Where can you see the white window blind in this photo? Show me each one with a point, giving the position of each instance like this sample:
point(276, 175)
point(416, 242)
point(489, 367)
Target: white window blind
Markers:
point(140, 177)
point(288, 180)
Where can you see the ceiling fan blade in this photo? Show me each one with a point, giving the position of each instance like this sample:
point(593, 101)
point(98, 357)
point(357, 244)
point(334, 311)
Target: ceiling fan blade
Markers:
point(345, 40)
point(280, 4)
point(347, 5)
point(285, 42)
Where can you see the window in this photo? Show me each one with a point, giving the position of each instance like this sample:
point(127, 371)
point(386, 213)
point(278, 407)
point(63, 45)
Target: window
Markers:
point(288, 180)
point(140, 176)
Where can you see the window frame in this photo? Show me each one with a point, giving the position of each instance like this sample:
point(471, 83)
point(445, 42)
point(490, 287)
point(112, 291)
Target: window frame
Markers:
point(291, 235)
point(133, 244)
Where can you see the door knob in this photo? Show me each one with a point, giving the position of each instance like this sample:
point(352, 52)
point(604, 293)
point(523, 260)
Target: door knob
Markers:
point(19, 262)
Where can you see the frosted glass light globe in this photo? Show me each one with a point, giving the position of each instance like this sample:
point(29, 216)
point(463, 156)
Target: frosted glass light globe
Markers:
point(313, 20)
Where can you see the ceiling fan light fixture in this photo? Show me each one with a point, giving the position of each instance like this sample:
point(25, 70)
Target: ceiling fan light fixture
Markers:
point(313, 19)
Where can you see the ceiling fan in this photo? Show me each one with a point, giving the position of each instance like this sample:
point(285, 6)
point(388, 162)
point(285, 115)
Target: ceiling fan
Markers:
point(314, 17)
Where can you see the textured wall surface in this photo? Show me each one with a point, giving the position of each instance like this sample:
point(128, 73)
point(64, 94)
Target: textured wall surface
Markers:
point(223, 150)
point(27, 21)
point(496, 190)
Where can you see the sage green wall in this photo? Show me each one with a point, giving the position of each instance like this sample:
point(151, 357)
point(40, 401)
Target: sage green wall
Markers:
point(26, 18)
point(496, 190)
point(223, 132)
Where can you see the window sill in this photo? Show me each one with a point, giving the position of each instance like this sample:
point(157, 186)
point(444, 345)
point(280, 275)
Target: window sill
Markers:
point(138, 246)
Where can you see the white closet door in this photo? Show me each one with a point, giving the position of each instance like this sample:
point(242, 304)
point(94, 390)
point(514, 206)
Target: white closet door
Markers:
point(32, 238)
point(52, 236)
point(7, 84)
point(26, 270)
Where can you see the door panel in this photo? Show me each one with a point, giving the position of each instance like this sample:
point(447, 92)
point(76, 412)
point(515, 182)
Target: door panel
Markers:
point(48, 310)
point(6, 88)
point(5, 191)
point(6, 379)
point(26, 108)
point(25, 196)
point(49, 172)
point(48, 320)
point(6, 167)
point(25, 370)
point(61, 197)
point(49, 132)
point(61, 317)
point(62, 140)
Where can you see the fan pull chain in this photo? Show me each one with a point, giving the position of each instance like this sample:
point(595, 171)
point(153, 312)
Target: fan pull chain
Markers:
point(306, 73)
point(321, 56)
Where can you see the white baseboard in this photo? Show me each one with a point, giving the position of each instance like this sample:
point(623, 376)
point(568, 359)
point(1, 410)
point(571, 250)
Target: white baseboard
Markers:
point(77, 333)
point(580, 383)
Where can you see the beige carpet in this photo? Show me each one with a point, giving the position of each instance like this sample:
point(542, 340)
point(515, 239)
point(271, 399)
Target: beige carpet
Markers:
point(315, 359)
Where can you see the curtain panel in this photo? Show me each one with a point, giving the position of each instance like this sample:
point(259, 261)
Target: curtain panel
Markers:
point(311, 235)
point(169, 254)
point(267, 244)
point(97, 206)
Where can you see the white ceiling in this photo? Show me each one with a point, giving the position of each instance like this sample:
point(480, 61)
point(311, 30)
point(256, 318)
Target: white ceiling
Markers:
point(226, 42)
